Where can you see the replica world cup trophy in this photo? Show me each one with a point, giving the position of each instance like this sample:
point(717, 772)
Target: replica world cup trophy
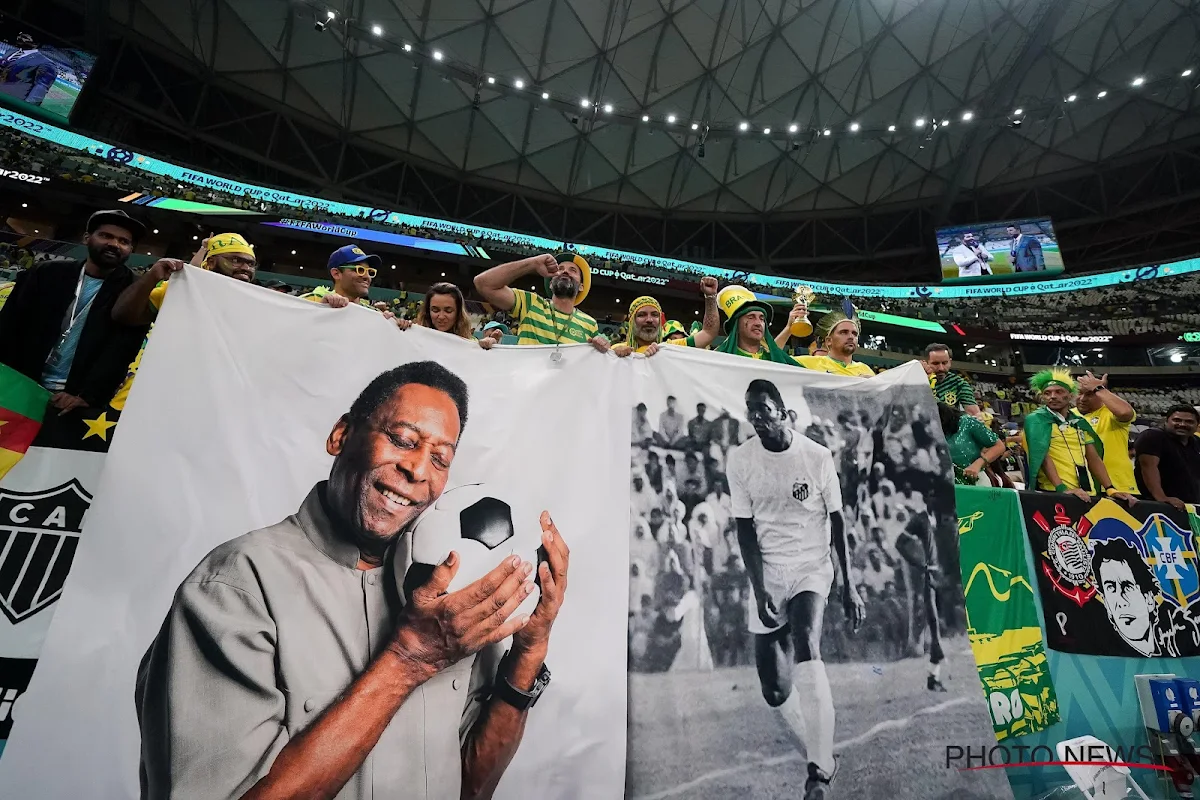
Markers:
point(803, 326)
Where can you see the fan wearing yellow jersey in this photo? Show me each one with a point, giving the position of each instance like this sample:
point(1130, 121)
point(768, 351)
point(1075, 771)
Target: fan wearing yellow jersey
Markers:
point(838, 330)
point(647, 326)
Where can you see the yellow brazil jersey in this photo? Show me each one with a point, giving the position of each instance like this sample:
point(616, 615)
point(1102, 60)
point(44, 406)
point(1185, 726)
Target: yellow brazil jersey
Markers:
point(1068, 453)
point(855, 369)
point(157, 294)
point(540, 323)
point(1115, 436)
point(688, 342)
point(317, 295)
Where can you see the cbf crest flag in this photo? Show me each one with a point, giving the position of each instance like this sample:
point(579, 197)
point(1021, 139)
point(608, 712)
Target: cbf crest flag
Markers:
point(1115, 581)
point(226, 594)
point(1002, 620)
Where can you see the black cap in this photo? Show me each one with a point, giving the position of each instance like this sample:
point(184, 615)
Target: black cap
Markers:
point(118, 218)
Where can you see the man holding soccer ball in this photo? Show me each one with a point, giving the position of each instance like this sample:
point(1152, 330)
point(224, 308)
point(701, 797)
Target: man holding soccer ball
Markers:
point(288, 659)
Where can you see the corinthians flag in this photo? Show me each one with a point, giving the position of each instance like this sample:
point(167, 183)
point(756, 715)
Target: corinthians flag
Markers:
point(1115, 581)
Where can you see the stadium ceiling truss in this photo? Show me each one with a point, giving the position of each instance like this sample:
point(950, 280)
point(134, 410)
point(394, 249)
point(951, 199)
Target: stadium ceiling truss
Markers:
point(254, 89)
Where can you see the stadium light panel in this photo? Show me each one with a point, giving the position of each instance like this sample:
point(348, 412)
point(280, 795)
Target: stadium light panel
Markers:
point(743, 126)
point(437, 55)
point(331, 14)
point(645, 117)
point(826, 131)
point(519, 84)
point(1018, 112)
point(695, 126)
point(156, 230)
point(608, 108)
point(967, 116)
point(945, 122)
point(491, 79)
point(854, 126)
point(766, 131)
point(920, 123)
point(671, 118)
point(793, 128)
point(584, 103)
point(26, 205)
point(377, 30)
point(1101, 94)
point(1176, 358)
point(891, 128)
point(545, 95)
point(1187, 72)
point(1138, 81)
point(1071, 98)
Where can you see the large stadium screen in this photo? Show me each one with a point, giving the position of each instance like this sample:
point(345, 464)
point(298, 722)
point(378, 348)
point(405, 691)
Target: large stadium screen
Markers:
point(1016, 249)
point(39, 77)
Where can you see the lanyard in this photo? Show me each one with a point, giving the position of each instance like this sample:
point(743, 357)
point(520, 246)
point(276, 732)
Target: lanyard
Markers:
point(73, 311)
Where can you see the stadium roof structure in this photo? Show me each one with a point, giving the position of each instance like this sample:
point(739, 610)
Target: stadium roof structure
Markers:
point(752, 110)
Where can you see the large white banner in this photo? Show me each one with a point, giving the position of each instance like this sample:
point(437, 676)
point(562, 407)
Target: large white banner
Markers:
point(740, 465)
point(226, 433)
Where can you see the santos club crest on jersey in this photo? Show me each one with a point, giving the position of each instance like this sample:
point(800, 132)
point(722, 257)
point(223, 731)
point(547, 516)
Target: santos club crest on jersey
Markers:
point(39, 532)
point(800, 491)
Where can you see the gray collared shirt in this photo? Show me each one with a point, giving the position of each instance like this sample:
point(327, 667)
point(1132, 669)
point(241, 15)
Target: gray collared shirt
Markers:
point(268, 631)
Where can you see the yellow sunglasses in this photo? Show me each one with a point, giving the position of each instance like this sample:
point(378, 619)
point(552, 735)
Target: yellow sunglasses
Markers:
point(370, 272)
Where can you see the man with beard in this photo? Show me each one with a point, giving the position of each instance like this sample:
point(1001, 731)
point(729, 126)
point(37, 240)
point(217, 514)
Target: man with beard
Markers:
point(788, 505)
point(57, 327)
point(568, 279)
point(948, 386)
point(971, 258)
point(1066, 455)
point(352, 271)
point(289, 664)
point(225, 254)
point(838, 331)
point(26, 74)
point(647, 326)
point(746, 323)
point(1130, 593)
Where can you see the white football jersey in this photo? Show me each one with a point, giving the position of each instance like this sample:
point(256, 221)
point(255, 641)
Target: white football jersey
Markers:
point(789, 495)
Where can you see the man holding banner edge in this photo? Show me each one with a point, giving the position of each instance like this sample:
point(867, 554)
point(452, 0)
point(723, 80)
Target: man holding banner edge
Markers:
point(236, 689)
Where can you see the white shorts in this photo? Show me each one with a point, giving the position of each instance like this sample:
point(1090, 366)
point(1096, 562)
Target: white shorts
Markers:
point(782, 582)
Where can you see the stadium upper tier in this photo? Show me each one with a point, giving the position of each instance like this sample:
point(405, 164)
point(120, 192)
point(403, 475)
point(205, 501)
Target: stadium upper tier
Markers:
point(43, 152)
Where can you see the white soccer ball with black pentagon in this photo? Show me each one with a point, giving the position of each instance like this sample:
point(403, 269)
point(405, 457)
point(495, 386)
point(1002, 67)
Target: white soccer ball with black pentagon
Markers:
point(484, 529)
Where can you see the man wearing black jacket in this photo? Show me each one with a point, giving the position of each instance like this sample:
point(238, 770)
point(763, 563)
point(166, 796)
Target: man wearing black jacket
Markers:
point(57, 326)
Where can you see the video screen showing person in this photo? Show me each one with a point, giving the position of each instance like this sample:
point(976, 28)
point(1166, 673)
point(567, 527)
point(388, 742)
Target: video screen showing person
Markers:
point(39, 77)
point(1006, 249)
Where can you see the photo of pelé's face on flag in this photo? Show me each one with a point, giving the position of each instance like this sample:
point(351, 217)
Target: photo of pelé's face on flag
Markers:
point(794, 583)
point(355, 581)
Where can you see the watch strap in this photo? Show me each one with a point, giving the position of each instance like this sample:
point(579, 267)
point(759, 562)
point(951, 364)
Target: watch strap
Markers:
point(522, 701)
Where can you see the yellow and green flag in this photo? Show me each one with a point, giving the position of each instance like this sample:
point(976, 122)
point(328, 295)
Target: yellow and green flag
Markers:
point(22, 407)
point(1002, 618)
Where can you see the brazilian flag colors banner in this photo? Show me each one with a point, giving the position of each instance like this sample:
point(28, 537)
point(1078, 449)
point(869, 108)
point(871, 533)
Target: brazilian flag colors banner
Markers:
point(1115, 581)
point(1002, 621)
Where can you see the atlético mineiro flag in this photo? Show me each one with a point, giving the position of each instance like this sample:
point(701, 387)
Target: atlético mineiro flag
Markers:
point(22, 407)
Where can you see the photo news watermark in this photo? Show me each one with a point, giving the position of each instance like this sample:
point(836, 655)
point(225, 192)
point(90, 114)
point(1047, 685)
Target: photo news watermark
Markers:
point(999, 756)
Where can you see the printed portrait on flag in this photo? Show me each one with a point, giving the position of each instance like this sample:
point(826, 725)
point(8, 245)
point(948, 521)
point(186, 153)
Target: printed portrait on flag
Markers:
point(332, 464)
point(1115, 581)
point(794, 586)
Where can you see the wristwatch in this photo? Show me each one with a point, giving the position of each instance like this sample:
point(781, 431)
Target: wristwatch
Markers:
point(522, 701)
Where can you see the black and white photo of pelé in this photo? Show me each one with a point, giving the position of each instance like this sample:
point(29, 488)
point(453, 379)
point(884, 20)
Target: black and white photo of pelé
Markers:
point(796, 618)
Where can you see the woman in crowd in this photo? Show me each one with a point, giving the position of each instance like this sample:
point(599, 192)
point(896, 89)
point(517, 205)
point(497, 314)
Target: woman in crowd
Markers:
point(445, 310)
point(973, 447)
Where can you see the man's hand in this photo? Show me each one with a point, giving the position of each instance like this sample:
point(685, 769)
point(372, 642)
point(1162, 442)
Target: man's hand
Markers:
point(622, 350)
point(799, 312)
point(535, 636)
point(925, 366)
point(1127, 498)
point(198, 256)
point(546, 265)
point(1081, 494)
point(601, 344)
point(381, 307)
point(1175, 503)
point(164, 268)
point(708, 287)
point(403, 324)
point(767, 612)
point(66, 402)
point(335, 300)
point(853, 605)
point(1089, 383)
point(437, 629)
point(487, 342)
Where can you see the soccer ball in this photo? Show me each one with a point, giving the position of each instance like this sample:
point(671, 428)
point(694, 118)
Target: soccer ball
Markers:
point(483, 529)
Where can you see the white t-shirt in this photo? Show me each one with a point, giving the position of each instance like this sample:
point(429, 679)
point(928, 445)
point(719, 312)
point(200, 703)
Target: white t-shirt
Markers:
point(789, 495)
